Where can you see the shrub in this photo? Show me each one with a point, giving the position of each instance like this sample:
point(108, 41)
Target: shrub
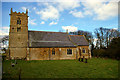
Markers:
point(3, 56)
point(99, 53)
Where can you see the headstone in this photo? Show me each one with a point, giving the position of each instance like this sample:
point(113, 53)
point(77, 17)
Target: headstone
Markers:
point(86, 60)
point(81, 59)
point(15, 61)
point(12, 64)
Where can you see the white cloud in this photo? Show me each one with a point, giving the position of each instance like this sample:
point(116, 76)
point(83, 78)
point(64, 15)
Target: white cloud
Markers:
point(101, 10)
point(49, 12)
point(52, 10)
point(34, 8)
point(70, 28)
point(42, 22)
point(115, 28)
point(95, 41)
point(32, 21)
point(24, 9)
point(88, 13)
point(53, 23)
point(107, 11)
point(76, 13)
point(67, 4)
point(4, 30)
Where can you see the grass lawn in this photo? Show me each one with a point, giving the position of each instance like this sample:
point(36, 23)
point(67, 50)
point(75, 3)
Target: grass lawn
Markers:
point(95, 68)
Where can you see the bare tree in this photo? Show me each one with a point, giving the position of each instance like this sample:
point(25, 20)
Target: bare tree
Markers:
point(104, 36)
point(4, 41)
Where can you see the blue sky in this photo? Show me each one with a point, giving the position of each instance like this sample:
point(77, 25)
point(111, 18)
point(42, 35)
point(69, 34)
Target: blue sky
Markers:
point(59, 16)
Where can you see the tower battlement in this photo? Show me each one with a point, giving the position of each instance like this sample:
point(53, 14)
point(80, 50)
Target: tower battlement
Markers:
point(19, 13)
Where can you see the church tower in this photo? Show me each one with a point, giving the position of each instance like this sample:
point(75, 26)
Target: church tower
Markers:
point(18, 35)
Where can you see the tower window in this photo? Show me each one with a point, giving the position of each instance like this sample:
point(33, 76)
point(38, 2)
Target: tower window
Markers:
point(69, 51)
point(53, 51)
point(18, 21)
point(18, 29)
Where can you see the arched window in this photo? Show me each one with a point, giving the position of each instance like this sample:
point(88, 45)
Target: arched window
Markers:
point(53, 51)
point(83, 50)
point(69, 51)
point(18, 21)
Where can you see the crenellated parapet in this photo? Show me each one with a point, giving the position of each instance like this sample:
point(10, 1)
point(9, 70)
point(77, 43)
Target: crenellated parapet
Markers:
point(19, 13)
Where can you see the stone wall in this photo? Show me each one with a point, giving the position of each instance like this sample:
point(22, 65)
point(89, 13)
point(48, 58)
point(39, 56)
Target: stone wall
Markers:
point(18, 40)
point(19, 53)
point(87, 53)
point(46, 54)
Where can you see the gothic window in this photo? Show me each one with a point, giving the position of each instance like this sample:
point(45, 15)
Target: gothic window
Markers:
point(53, 51)
point(18, 29)
point(69, 51)
point(83, 50)
point(18, 21)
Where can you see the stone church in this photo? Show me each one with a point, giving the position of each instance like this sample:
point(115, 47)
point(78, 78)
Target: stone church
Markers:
point(43, 45)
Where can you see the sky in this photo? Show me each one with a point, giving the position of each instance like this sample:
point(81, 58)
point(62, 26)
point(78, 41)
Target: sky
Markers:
point(59, 16)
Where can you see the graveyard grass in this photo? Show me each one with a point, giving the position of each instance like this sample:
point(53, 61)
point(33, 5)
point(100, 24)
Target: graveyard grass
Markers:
point(95, 68)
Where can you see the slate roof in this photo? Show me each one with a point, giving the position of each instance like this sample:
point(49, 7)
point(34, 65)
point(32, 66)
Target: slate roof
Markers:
point(54, 39)
point(79, 40)
point(49, 39)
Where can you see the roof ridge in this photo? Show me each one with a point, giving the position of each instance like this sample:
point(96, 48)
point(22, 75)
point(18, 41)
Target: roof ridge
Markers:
point(46, 31)
point(76, 35)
